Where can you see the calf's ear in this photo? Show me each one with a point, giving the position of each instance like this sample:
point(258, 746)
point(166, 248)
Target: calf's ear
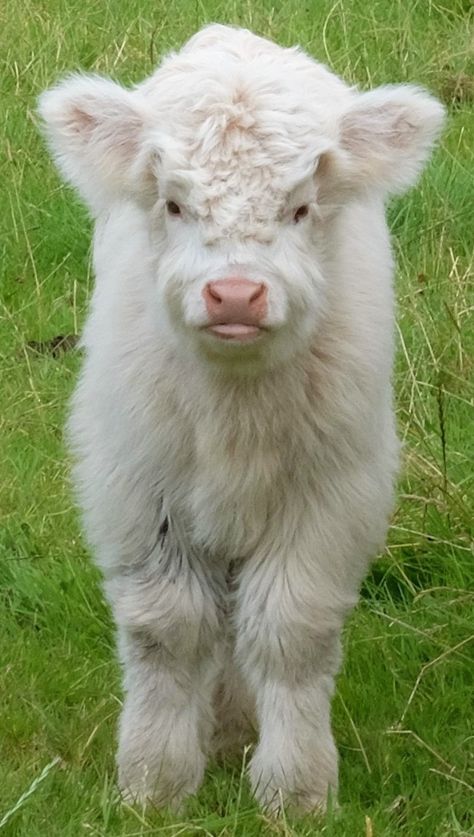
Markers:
point(387, 135)
point(96, 132)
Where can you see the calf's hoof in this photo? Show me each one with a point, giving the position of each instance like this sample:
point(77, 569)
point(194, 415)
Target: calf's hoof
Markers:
point(161, 782)
point(279, 785)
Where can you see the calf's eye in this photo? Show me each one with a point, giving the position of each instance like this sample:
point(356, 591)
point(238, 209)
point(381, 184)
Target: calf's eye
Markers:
point(300, 213)
point(173, 208)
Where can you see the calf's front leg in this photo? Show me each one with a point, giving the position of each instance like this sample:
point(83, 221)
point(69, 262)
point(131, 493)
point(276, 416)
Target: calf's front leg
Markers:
point(290, 615)
point(169, 641)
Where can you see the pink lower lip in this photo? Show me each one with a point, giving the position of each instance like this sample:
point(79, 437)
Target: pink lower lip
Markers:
point(235, 331)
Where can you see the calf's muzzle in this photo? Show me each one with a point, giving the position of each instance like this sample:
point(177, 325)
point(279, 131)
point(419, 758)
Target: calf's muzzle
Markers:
point(236, 307)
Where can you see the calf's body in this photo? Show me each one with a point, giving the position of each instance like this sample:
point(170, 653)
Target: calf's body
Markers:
point(236, 473)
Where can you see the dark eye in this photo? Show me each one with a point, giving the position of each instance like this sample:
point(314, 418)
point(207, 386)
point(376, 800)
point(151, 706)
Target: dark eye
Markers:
point(300, 213)
point(173, 208)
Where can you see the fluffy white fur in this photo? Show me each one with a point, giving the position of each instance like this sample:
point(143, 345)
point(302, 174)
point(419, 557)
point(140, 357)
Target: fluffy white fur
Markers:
point(234, 495)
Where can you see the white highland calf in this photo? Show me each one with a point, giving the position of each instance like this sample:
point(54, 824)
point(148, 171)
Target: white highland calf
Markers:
point(233, 423)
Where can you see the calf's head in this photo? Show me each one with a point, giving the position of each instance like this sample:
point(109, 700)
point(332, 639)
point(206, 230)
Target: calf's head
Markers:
point(240, 157)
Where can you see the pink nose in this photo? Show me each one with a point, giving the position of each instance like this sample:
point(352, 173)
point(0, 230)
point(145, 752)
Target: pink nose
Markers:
point(235, 301)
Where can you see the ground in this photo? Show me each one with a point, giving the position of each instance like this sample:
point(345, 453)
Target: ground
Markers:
point(402, 713)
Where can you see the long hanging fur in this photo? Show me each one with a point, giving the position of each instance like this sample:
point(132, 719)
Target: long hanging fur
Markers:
point(235, 494)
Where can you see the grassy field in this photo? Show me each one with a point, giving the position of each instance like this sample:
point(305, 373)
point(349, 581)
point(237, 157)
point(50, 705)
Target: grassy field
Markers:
point(403, 712)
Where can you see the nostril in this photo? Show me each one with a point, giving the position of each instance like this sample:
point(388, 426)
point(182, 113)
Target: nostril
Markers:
point(213, 293)
point(257, 293)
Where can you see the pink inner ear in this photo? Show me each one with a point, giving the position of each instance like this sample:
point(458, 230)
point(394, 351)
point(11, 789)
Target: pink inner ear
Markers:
point(118, 132)
point(82, 122)
point(371, 125)
point(392, 120)
point(380, 127)
point(402, 132)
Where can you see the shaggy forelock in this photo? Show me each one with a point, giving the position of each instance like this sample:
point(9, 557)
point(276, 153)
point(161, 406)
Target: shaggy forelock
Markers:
point(247, 132)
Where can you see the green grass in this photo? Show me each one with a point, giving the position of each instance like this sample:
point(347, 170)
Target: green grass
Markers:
point(403, 710)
